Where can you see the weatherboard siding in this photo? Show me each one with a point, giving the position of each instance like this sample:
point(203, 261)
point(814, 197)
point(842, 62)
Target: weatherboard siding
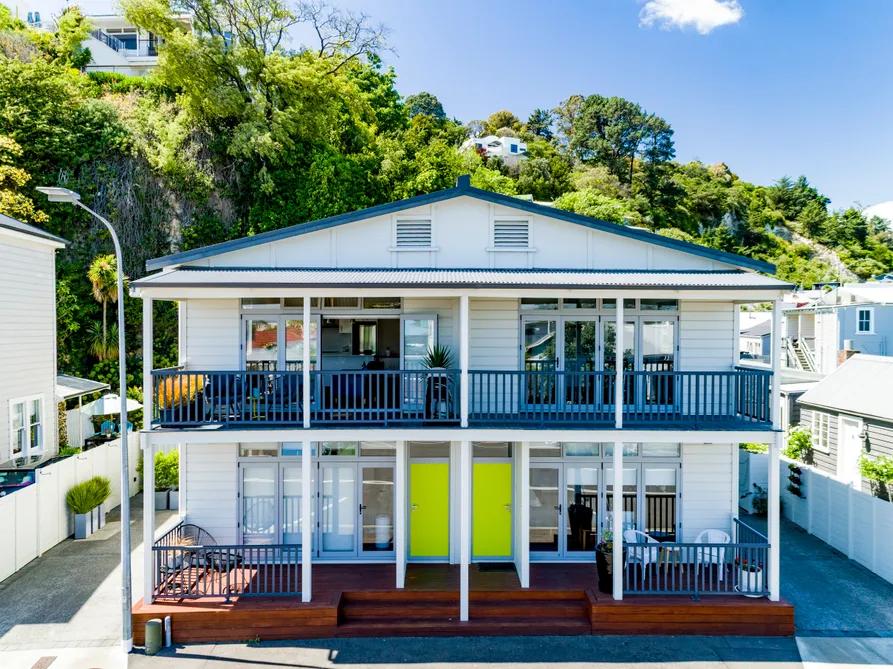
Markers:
point(212, 489)
point(706, 336)
point(27, 333)
point(706, 488)
point(212, 334)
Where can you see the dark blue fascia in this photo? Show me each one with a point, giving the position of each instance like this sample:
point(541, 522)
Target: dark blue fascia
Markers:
point(462, 188)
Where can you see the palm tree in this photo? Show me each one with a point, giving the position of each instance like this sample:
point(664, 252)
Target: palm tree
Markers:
point(103, 274)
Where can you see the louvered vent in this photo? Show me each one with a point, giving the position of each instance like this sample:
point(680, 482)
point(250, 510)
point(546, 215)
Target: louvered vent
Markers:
point(511, 234)
point(413, 234)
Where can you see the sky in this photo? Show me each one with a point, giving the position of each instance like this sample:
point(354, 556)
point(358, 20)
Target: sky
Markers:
point(770, 87)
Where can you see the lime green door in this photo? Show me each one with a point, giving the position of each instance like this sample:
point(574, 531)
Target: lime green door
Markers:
point(491, 526)
point(429, 510)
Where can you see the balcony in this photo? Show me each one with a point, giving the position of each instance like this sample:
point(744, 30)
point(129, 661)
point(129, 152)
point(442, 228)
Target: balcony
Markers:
point(737, 399)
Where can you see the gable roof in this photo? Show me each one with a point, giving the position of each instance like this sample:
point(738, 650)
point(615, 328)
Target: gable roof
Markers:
point(462, 188)
point(24, 228)
point(860, 386)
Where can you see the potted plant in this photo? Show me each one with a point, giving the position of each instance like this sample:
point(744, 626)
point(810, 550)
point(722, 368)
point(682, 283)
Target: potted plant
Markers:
point(163, 481)
point(169, 466)
point(437, 395)
point(604, 562)
point(87, 501)
point(750, 577)
point(178, 397)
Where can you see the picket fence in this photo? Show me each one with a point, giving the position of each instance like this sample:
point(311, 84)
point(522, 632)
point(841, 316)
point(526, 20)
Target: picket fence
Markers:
point(856, 523)
point(36, 518)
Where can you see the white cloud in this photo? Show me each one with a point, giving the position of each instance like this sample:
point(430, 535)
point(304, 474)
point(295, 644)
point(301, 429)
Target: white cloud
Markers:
point(704, 15)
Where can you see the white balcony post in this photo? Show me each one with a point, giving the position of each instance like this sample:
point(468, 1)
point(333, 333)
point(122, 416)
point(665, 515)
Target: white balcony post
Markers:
point(776, 365)
point(306, 504)
point(400, 513)
point(617, 501)
point(618, 367)
point(148, 516)
point(774, 494)
point(148, 355)
point(464, 526)
point(305, 363)
point(524, 513)
point(463, 359)
point(736, 334)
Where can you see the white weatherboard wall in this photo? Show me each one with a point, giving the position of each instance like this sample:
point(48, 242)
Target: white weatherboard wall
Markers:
point(706, 336)
point(212, 488)
point(212, 334)
point(706, 489)
point(494, 334)
point(447, 310)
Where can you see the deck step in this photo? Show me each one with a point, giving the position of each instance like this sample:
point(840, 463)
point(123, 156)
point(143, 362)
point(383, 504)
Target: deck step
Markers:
point(403, 628)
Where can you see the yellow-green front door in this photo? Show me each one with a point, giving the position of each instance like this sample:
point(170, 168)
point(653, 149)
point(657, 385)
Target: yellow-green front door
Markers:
point(491, 525)
point(429, 510)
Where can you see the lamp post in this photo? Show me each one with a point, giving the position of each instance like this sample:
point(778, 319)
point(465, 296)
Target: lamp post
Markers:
point(64, 195)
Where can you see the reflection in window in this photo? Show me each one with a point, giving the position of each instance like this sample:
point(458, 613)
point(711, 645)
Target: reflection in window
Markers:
point(261, 344)
point(537, 303)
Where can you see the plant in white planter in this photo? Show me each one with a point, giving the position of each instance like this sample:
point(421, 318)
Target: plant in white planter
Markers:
point(87, 502)
point(167, 475)
point(750, 577)
point(437, 394)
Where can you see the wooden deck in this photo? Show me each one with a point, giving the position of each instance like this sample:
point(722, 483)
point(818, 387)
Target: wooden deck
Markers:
point(362, 600)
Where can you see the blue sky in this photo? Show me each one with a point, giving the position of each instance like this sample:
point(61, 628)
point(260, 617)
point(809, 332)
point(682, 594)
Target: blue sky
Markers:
point(771, 87)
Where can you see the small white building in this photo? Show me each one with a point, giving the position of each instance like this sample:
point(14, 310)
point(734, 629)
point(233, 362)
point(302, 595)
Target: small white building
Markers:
point(507, 148)
point(116, 45)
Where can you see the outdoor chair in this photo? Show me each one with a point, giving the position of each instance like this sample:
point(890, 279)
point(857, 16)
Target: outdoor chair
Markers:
point(224, 395)
point(713, 554)
point(286, 398)
point(643, 556)
point(108, 427)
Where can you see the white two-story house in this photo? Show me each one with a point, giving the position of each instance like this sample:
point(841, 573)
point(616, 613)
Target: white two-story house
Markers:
point(324, 434)
point(116, 45)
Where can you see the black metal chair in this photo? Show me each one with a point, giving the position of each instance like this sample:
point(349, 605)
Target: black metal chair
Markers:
point(286, 398)
point(224, 395)
point(193, 535)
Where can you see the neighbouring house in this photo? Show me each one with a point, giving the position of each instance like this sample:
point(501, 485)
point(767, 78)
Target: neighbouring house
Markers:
point(510, 149)
point(28, 420)
point(756, 342)
point(336, 456)
point(116, 45)
point(850, 415)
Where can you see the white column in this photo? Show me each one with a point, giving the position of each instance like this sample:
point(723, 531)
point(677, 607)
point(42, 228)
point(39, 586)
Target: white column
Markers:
point(306, 504)
point(148, 348)
point(400, 513)
point(524, 512)
point(464, 526)
point(774, 494)
point(148, 516)
point(618, 367)
point(617, 501)
point(776, 365)
point(306, 367)
point(736, 336)
point(463, 359)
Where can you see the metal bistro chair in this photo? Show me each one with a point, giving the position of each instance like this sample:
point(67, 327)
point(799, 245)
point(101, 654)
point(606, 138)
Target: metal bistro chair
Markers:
point(108, 427)
point(223, 395)
point(286, 398)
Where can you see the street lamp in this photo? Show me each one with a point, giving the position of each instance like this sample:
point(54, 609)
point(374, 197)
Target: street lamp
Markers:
point(64, 195)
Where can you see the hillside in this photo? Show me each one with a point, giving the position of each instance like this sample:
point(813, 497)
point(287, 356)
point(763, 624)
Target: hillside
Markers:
point(222, 142)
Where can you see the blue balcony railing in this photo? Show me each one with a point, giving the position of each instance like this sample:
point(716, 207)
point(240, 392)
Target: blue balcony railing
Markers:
point(738, 399)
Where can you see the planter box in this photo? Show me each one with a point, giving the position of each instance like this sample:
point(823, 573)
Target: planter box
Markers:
point(750, 583)
point(86, 524)
point(174, 500)
point(161, 500)
point(604, 563)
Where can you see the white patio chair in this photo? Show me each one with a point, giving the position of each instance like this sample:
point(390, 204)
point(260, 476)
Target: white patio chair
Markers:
point(643, 556)
point(713, 554)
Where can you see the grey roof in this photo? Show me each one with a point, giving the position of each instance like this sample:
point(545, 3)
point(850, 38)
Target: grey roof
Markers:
point(306, 277)
point(860, 386)
point(462, 189)
point(74, 386)
point(758, 330)
point(18, 226)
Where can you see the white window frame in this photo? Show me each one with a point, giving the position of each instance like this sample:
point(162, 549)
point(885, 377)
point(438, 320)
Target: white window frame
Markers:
point(818, 418)
point(870, 311)
point(28, 450)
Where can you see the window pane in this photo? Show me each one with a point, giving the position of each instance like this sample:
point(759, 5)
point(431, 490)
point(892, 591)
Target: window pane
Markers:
point(545, 449)
point(294, 449)
point(536, 303)
point(381, 303)
point(294, 302)
point(261, 344)
point(487, 449)
point(378, 449)
point(34, 414)
point(259, 504)
point(378, 508)
point(576, 449)
point(258, 450)
point(338, 448)
point(18, 415)
point(661, 450)
point(658, 305)
point(429, 449)
point(294, 344)
point(611, 303)
point(582, 303)
point(629, 450)
point(341, 302)
point(260, 302)
point(418, 337)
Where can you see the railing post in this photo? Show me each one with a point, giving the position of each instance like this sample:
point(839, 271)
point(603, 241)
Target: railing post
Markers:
point(463, 359)
point(617, 500)
point(775, 410)
point(306, 503)
point(305, 361)
point(774, 521)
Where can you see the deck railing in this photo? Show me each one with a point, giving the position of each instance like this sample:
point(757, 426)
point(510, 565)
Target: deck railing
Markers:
point(738, 398)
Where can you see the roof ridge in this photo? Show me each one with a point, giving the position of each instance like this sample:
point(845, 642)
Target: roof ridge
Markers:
point(500, 270)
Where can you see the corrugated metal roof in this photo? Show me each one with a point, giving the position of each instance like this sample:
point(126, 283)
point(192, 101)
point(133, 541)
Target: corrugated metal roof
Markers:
point(74, 386)
point(860, 386)
point(456, 278)
point(18, 226)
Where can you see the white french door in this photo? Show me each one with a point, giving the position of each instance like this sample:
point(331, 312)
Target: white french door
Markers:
point(564, 509)
point(275, 343)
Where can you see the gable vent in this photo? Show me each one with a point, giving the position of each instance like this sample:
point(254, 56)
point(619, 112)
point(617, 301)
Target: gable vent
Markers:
point(511, 234)
point(414, 234)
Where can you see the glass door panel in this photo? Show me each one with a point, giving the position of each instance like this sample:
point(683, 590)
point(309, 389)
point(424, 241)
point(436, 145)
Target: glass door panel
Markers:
point(292, 505)
point(630, 498)
point(338, 510)
point(581, 502)
point(609, 359)
point(261, 344)
point(540, 360)
point(661, 493)
point(259, 504)
point(377, 510)
point(419, 336)
point(545, 510)
point(294, 343)
point(658, 355)
point(579, 357)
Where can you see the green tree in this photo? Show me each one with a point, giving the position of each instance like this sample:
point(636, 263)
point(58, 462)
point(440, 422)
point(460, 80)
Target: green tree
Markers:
point(103, 276)
point(812, 218)
point(425, 103)
point(539, 124)
point(594, 204)
point(502, 119)
point(565, 116)
point(13, 202)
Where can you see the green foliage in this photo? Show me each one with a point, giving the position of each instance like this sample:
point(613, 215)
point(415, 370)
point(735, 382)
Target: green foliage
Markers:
point(799, 444)
point(86, 496)
point(438, 357)
point(70, 450)
point(754, 448)
point(594, 204)
point(878, 469)
point(424, 103)
point(167, 470)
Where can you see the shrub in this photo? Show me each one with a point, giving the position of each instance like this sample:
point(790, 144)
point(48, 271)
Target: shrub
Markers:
point(178, 391)
point(70, 450)
point(877, 469)
point(167, 470)
point(754, 448)
point(86, 496)
point(799, 444)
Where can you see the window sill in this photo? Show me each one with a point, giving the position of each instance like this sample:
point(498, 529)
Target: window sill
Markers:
point(413, 248)
point(510, 250)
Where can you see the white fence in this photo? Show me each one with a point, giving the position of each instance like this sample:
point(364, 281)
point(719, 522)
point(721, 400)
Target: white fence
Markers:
point(857, 524)
point(36, 518)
